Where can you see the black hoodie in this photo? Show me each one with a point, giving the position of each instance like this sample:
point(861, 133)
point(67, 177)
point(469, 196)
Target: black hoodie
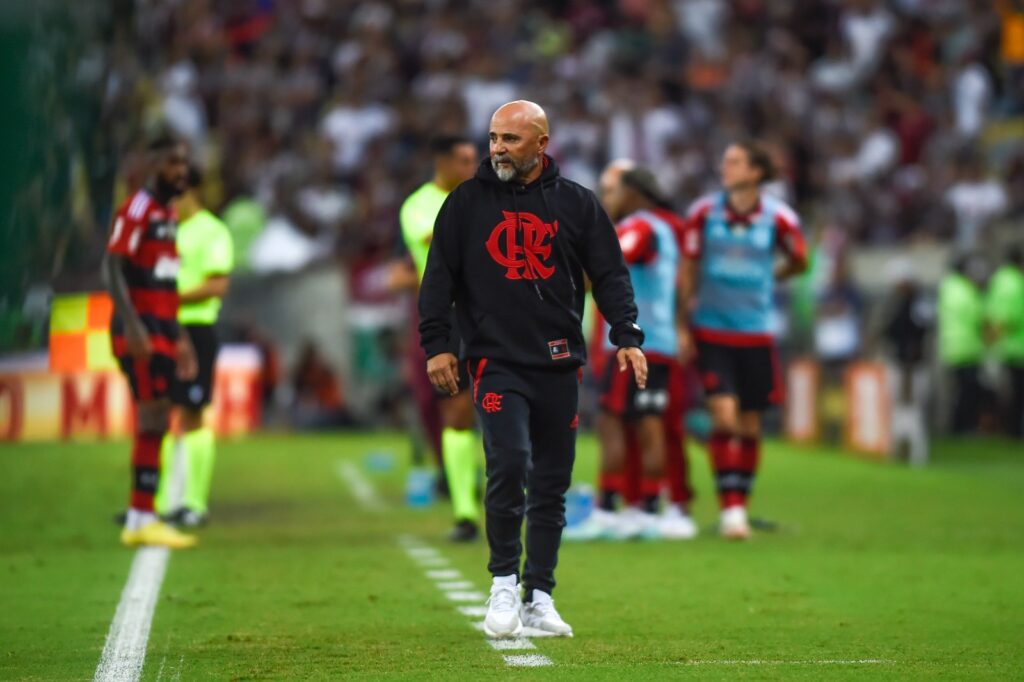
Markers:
point(512, 258)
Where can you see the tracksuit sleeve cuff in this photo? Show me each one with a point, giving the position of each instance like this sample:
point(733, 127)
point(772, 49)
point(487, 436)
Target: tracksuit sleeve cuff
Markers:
point(627, 335)
point(432, 347)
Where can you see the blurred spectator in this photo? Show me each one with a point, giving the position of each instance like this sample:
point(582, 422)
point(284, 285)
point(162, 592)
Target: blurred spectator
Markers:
point(319, 401)
point(976, 202)
point(320, 112)
point(908, 326)
point(961, 341)
point(837, 331)
point(971, 93)
point(1005, 314)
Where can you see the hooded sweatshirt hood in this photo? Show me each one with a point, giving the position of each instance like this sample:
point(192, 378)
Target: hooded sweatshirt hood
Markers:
point(512, 257)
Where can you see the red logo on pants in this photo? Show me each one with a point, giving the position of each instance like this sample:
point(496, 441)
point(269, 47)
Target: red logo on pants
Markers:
point(491, 403)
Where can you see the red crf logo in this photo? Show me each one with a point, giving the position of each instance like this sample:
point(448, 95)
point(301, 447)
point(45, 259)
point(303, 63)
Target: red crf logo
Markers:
point(523, 256)
point(491, 403)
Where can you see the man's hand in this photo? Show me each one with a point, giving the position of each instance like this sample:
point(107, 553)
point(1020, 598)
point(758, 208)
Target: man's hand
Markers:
point(187, 364)
point(634, 357)
point(139, 345)
point(443, 370)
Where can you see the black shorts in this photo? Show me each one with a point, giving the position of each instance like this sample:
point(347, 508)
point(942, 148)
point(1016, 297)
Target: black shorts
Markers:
point(149, 379)
point(751, 373)
point(621, 397)
point(197, 393)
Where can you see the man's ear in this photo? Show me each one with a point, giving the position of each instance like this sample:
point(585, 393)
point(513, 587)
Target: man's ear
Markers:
point(542, 143)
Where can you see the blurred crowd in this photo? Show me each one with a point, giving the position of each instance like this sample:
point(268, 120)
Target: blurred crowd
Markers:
point(895, 122)
point(312, 116)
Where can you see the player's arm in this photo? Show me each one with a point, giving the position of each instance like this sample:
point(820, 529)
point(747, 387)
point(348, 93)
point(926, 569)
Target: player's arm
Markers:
point(792, 244)
point(214, 286)
point(437, 293)
point(402, 276)
point(687, 280)
point(121, 246)
point(603, 263)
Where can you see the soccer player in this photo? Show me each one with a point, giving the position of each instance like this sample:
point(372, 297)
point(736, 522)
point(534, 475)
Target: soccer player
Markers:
point(141, 268)
point(651, 247)
point(1004, 308)
point(455, 161)
point(207, 256)
point(729, 264)
point(510, 250)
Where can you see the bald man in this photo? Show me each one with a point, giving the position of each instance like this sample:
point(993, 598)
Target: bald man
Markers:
point(510, 250)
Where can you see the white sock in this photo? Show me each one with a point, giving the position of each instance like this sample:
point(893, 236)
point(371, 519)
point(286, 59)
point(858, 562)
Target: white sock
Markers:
point(541, 597)
point(505, 580)
point(138, 518)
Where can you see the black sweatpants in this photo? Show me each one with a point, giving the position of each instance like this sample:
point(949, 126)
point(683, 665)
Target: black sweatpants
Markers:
point(1015, 410)
point(528, 417)
point(968, 395)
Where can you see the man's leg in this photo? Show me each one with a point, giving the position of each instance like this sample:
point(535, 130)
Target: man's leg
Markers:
point(612, 438)
point(149, 381)
point(199, 446)
point(553, 419)
point(189, 456)
point(724, 450)
point(151, 425)
point(504, 417)
point(677, 467)
point(460, 446)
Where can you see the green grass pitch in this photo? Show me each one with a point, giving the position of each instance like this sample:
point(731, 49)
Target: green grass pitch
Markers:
point(921, 572)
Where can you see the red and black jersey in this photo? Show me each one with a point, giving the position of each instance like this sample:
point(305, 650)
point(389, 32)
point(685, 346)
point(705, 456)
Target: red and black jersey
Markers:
point(144, 235)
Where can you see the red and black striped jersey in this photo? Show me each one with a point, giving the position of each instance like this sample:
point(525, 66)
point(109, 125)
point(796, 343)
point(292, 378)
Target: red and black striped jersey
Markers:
point(144, 233)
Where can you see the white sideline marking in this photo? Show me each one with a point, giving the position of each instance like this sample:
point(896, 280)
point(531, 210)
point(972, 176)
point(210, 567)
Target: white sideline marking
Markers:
point(362, 489)
point(466, 596)
point(421, 551)
point(455, 585)
point(527, 660)
point(444, 574)
point(824, 661)
point(450, 582)
point(125, 649)
point(517, 644)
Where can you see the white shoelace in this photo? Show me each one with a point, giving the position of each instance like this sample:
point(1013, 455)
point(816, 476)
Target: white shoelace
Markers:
point(502, 598)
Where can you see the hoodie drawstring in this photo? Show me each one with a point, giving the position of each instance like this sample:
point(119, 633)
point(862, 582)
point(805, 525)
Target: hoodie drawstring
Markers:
point(519, 229)
point(563, 258)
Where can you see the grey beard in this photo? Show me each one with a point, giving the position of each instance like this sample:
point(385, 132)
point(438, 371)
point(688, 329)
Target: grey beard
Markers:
point(516, 171)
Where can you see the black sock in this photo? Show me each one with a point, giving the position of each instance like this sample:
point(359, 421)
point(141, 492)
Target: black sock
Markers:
point(650, 504)
point(609, 500)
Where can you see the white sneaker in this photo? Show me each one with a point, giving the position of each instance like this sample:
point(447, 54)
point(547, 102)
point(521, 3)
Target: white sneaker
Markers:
point(636, 524)
point(540, 614)
point(675, 524)
point(599, 525)
point(502, 620)
point(733, 524)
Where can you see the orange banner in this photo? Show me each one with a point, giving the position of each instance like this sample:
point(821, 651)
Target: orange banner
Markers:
point(48, 406)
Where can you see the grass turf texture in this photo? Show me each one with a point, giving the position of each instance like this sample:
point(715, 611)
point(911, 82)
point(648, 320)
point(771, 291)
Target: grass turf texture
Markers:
point(295, 580)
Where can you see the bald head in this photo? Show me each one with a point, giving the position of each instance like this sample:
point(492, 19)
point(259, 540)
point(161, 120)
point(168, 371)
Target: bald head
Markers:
point(613, 193)
point(519, 138)
point(522, 112)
